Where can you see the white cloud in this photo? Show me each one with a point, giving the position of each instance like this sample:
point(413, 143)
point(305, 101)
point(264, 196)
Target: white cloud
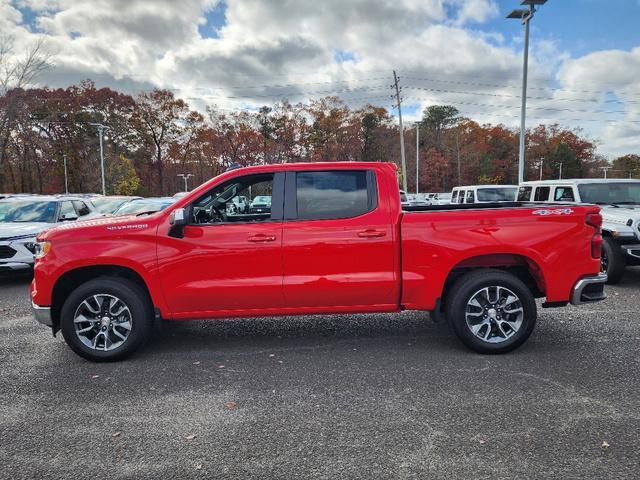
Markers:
point(139, 44)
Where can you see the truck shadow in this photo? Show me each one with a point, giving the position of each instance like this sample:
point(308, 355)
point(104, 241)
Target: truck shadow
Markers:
point(221, 335)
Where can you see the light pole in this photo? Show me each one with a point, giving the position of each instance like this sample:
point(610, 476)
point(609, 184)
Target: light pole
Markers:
point(604, 169)
point(185, 177)
point(101, 129)
point(417, 154)
point(560, 177)
point(66, 181)
point(541, 164)
point(525, 15)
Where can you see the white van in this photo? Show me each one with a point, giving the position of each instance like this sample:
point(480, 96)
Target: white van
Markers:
point(484, 194)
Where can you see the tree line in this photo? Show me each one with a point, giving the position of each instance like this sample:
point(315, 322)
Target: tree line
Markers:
point(154, 136)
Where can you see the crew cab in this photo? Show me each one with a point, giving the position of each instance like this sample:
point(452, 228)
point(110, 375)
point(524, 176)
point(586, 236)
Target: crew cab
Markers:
point(620, 209)
point(335, 240)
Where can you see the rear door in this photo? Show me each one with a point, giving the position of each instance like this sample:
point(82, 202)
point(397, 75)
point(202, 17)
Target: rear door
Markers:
point(338, 242)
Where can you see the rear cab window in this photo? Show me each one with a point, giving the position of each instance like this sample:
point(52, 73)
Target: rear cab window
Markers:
point(454, 196)
point(324, 195)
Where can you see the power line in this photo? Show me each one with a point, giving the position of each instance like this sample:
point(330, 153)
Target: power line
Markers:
point(495, 85)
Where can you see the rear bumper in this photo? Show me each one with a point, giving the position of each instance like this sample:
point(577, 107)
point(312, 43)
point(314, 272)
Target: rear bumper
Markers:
point(42, 314)
point(589, 289)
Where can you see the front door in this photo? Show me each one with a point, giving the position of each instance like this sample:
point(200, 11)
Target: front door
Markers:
point(229, 260)
point(338, 243)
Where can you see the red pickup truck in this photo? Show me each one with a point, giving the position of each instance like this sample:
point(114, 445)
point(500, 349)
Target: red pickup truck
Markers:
point(326, 238)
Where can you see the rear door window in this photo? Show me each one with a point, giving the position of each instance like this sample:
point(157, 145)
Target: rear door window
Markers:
point(542, 194)
point(334, 194)
point(563, 194)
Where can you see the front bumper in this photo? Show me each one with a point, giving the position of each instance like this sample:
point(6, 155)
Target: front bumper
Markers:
point(22, 257)
point(42, 314)
point(631, 250)
point(589, 289)
point(14, 266)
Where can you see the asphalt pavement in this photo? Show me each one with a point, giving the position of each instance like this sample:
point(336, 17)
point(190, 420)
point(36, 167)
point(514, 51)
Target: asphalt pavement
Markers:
point(357, 396)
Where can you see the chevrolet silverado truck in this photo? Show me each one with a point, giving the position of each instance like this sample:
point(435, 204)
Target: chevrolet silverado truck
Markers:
point(333, 240)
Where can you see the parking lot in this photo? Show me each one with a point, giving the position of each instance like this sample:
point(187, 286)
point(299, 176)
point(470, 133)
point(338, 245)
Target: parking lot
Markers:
point(368, 396)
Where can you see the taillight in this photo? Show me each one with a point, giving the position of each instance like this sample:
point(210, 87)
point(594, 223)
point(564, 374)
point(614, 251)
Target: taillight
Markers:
point(595, 220)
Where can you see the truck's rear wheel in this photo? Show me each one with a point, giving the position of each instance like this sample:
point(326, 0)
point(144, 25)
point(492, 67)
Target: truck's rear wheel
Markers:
point(106, 319)
point(491, 311)
point(612, 260)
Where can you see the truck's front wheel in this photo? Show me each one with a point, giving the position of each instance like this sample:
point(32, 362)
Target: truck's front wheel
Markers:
point(106, 319)
point(491, 311)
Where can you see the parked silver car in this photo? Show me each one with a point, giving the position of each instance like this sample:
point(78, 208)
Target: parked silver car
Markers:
point(22, 218)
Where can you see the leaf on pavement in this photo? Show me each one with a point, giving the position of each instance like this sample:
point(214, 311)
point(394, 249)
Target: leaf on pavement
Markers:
point(231, 404)
point(605, 445)
point(116, 434)
point(189, 437)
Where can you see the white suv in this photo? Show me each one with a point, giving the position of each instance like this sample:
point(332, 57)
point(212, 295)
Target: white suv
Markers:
point(484, 194)
point(620, 203)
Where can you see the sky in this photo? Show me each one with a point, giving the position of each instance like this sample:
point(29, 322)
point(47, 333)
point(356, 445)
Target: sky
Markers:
point(584, 66)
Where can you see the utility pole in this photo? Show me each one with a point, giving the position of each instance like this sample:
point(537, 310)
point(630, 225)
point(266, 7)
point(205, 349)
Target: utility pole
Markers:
point(101, 129)
point(185, 177)
point(560, 171)
point(604, 169)
point(417, 154)
point(399, 105)
point(66, 180)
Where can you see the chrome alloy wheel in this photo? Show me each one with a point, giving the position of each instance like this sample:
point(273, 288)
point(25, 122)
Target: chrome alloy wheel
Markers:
point(102, 322)
point(494, 314)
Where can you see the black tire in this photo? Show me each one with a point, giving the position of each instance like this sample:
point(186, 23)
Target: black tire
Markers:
point(613, 261)
point(463, 291)
point(131, 295)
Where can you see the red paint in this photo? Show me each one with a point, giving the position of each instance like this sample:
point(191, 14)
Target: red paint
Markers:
point(379, 261)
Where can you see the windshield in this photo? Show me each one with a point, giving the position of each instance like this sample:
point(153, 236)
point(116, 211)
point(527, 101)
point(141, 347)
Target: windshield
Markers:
point(496, 194)
point(610, 192)
point(108, 205)
point(28, 211)
point(139, 206)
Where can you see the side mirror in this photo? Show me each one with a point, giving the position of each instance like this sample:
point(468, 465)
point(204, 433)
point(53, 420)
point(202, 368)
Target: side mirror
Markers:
point(69, 217)
point(177, 219)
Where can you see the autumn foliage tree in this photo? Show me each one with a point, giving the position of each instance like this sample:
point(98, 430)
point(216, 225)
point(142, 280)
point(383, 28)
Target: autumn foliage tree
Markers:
point(154, 136)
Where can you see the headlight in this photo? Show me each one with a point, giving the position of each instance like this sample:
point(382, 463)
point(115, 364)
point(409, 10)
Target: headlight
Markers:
point(31, 246)
point(42, 248)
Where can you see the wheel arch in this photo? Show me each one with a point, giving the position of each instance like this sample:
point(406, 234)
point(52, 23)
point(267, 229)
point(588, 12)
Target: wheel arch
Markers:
point(521, 266)
point(71, 279)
